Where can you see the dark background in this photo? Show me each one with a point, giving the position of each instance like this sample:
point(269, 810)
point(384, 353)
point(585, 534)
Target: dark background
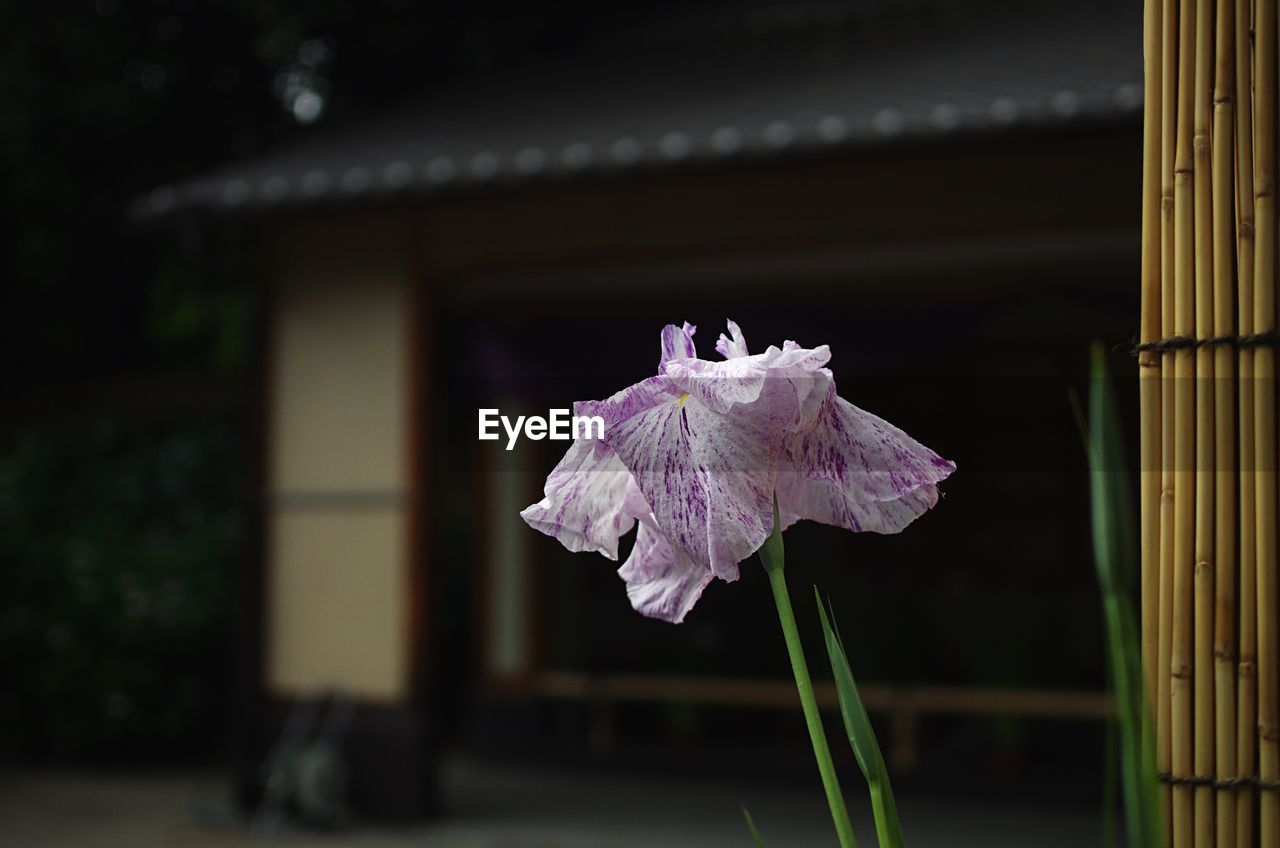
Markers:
point(127, 351)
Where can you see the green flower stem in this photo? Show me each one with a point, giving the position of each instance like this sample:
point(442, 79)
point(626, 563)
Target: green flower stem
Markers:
point(771, 554)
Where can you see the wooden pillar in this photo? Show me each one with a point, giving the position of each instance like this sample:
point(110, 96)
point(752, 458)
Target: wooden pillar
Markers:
point(343, 571)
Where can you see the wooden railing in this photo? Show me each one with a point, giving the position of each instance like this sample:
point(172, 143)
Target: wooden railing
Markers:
point(903, 705)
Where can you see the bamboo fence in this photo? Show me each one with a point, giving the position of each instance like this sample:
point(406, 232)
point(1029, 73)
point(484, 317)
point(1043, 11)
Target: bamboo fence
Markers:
point(1207, 401)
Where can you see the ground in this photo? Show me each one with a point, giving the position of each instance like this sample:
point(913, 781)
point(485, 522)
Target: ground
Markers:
point(489, 806)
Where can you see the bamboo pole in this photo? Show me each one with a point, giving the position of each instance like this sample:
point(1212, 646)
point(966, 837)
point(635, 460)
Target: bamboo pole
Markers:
point(1205, 445)
point(1210, 596)
point(1224, 636)
point(1246, 682)
point(1149, 361)
point(1168, 383)
point(1184, 437)
point(1264, 413)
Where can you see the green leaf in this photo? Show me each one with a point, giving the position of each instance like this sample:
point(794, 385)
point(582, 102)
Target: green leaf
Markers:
point(755, 834)
point(862, 737)
point(1111, 499)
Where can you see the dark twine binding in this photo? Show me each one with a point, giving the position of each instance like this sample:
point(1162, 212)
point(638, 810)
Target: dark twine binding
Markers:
point(1271, 339)
point(1254, 782)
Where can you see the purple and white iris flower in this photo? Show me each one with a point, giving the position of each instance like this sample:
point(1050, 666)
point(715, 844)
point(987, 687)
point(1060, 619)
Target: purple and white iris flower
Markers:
point(696, 454)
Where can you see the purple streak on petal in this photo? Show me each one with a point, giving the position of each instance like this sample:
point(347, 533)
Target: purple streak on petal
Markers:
point(707, 476)
point(661, 582)
point(677, 343)
point(630, 401)
point(732, 348)
point(590, 500)
point(857, 471)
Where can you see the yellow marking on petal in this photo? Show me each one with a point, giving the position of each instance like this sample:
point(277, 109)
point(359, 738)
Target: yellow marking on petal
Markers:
point(683, 398)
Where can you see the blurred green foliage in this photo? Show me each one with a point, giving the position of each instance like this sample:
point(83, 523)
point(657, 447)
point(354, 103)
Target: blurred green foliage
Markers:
point(1115, 555)
point(117, 551)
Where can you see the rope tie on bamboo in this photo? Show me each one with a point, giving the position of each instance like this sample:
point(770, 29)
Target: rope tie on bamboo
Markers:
point(1253, 781)
point(1271, 339)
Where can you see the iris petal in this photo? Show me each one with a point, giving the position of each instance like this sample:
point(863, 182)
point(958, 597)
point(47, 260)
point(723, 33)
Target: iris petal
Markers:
point(707, 476)
point(677, 343)
point(589, 501)
point(857, 471)
point(742, 380)
point(720, 385)
point(661, 581)
point(732, 348)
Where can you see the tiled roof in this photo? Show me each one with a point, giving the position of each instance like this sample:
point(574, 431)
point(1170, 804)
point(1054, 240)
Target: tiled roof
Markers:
point(768, 82)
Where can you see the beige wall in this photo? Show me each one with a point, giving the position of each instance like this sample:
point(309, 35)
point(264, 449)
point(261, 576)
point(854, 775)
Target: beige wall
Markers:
point(338, 477)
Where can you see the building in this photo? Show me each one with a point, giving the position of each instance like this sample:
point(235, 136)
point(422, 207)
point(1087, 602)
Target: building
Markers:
point(947, 194)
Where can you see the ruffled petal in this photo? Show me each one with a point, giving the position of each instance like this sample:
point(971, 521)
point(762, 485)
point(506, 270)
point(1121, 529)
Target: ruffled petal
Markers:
point(720, 385)
point(590, 501)
point(630, 402)
point(742, 380)
point(793, 356)
point(661, 581)
point(732, 348)
point(857, 471)
point(708, 477)
point(677, 343)
point(822, 501)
